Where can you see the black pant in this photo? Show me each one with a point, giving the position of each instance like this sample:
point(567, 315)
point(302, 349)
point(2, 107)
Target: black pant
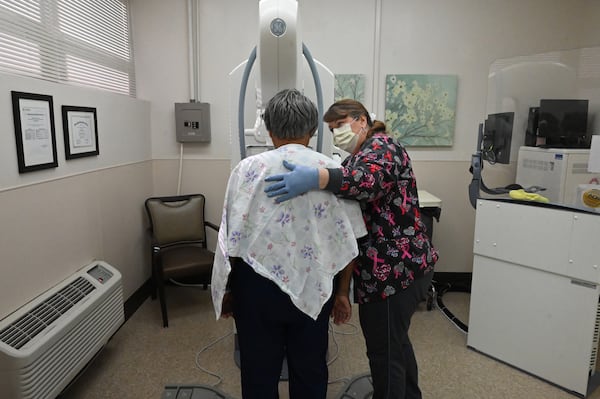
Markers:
point(385, 326)
point(270, 327)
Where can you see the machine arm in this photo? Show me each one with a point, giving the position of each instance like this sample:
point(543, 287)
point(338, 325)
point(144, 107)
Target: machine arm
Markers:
point(477, 183)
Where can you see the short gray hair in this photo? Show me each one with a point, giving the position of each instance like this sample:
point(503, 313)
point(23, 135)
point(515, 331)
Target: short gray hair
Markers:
point(291, 115)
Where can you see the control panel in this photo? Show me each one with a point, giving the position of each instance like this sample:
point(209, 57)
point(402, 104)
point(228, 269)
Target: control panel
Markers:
point(100, 273)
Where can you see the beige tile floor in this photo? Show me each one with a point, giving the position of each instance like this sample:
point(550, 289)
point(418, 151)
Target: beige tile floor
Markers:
point(143, 357)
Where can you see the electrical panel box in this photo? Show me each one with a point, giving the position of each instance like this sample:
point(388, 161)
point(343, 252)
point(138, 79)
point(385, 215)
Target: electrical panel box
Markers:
point(192, 122)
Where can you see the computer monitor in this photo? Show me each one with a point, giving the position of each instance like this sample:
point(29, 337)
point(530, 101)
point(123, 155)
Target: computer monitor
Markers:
point(497, 137)
point(563, 123)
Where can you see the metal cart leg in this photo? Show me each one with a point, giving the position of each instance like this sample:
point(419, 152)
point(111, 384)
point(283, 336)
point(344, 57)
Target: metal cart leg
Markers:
point(431, 296)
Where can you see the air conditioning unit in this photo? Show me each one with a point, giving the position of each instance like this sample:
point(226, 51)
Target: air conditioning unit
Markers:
point(46, 342)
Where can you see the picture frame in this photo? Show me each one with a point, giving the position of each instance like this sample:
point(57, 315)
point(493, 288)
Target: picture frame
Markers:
point(350, 86)
point(33, 116)
point(80, 129)
point(420, 110)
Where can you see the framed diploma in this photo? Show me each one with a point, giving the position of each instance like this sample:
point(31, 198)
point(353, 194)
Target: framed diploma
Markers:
point(80, 129)
point(33, 115)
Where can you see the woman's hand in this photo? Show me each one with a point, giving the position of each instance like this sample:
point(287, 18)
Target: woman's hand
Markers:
point(227, 305)
point(342, 309)
point(300, 180)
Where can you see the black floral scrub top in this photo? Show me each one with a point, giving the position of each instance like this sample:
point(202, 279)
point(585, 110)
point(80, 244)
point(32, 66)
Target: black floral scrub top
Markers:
point(397, 249)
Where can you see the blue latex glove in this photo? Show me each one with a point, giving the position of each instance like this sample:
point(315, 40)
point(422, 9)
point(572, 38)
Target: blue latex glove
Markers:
point(300, 180)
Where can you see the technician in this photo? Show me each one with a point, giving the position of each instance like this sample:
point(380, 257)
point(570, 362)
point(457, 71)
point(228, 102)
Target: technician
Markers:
point(396, 258)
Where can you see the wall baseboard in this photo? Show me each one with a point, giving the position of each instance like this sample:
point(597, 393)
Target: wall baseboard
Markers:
point(442, 280)
point(452, 281)
point(136, 299)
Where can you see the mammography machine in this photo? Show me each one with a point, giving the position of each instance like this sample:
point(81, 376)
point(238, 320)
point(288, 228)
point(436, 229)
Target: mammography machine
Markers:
point(276, 63)
point(279, 58)
point(282, 61)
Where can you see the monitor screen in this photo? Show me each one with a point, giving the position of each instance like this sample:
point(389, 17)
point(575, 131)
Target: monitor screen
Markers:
point(497, 137)
point(563, 123)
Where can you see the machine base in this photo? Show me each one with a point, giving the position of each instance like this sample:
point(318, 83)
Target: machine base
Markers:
point(359, 387)
point(193, 392)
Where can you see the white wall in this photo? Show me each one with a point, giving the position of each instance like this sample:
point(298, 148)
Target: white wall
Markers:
point(55, 221)
point(123, 129)
point(461, 37)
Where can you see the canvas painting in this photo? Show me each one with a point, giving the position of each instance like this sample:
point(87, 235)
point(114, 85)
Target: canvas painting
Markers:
point(350, 86)
point(420, 110)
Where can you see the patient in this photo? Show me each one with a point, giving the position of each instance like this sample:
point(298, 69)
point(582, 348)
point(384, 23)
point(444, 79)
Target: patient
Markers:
point(276, 263)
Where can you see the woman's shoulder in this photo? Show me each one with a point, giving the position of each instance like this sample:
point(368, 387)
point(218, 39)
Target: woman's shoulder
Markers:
point(382, 141)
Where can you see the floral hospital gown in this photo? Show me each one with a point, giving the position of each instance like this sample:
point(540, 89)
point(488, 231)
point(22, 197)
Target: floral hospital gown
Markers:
point(298, 244)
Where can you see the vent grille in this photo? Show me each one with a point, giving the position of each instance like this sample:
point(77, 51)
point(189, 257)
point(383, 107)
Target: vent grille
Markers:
point(594, 355)
point(580, 168)
point(28, 326)
point(40, 378)
point(537, 164)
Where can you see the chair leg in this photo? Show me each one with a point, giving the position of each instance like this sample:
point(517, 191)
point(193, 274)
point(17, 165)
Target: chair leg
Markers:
point(154, 278)
point(163, 301)
point(153, 288)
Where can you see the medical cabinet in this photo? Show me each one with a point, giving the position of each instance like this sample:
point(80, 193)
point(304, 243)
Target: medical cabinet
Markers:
point(535, 290)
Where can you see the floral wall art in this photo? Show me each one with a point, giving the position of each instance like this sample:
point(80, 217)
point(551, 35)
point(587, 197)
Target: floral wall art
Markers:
point(349, 86)
point(420, 109)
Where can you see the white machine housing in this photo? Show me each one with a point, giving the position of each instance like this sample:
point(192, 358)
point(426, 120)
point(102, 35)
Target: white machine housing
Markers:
point(281, 65)
point(535, 291)
point(279, 50)
point(559, 170)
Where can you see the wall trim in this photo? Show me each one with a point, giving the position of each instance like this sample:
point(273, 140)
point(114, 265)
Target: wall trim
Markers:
point(133, 303)
point(191, 157)
point(53, 179)
point(450, 281)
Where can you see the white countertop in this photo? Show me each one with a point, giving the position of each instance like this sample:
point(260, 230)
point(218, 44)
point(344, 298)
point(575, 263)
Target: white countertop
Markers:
point(428, 200)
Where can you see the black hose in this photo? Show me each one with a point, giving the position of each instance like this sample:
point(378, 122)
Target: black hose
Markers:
point(441, 290)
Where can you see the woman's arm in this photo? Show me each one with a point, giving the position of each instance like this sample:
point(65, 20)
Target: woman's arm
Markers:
point(368, 175)
point(323, 178)
point(342, 309)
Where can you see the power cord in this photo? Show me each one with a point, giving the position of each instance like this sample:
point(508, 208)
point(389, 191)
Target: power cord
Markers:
point(489, 155)
point(446, 312)
point(180, 284)
point(330, 361)
point(333, 358)
point(204, 349)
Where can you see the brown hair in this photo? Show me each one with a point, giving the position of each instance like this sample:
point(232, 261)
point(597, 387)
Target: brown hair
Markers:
point(347, 107)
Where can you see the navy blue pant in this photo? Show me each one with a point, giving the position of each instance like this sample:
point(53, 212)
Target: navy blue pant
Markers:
point(385, 327)
point(269, 327)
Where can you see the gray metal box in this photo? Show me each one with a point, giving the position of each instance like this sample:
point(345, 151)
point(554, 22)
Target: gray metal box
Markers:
point(192, 122)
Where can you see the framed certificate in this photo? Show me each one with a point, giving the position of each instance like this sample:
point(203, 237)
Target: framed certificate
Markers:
point(80, 129)
point(33, 116)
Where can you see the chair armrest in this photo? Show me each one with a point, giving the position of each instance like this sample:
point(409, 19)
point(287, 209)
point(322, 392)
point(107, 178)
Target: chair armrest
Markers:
point(154, 246)
point(212, 226)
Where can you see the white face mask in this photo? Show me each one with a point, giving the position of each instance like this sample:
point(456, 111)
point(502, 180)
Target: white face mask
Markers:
point(345, 138)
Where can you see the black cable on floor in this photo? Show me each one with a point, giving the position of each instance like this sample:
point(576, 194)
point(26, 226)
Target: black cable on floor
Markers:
point(441, 290)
